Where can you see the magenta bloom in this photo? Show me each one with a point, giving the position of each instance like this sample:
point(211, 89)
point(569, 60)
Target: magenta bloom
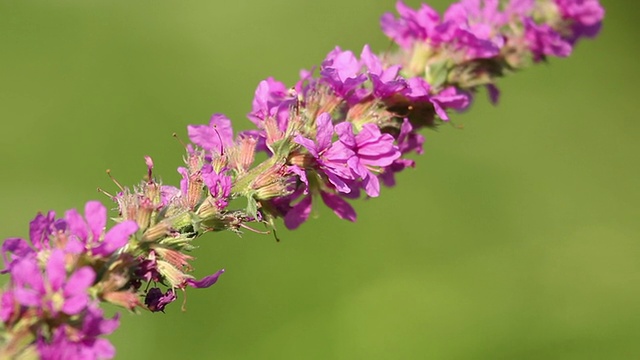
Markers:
point(69, 343)
point(342, 71)
point(371, 148)
point(331, 158)
point(40, 229)
point(386, 82)
point(542, 40)
point(219, 186)
point(215, 136)
point(469, 27)
point(87, 236)
point(14, 249)
point(411, 25)
point(51, 292)
point(451, 97)
point(272, 99)
point(586, 17)
point(408, 141)
point(300, 212)
point(7, 305)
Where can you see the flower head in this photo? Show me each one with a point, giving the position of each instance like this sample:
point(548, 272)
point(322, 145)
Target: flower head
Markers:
point(88, 235)
point(51, 292)
point(330, 157)
point(371, 149)
point(213, 137)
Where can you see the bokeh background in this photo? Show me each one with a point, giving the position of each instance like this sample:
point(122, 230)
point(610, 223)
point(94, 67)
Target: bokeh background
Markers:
point(517, 237)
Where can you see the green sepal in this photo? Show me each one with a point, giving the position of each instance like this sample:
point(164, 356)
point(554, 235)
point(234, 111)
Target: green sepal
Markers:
point(436, 74)
point(252, 206)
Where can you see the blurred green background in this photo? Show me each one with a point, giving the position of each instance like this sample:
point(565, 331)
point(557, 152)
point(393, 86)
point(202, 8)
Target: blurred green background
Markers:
point(515, 238)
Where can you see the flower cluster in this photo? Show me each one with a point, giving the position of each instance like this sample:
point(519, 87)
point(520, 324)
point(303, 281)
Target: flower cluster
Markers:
point(341, 131)
point(349, 124)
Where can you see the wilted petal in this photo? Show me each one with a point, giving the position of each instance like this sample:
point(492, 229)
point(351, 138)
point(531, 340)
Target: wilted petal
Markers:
point(157, 301)
point(206, 281)
point(39, 230)
point(494, 93)
point(14, 248)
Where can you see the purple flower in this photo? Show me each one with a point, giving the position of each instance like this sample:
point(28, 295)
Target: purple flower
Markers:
point(70, 343)
point(542, 40)
point(7, 306)
point(167, 194)
point(299, 213)
point(386, 82)
point(14, 249)
point(157, 301)
point(215, 136)
point(408, 141)
point(411, 25)
point(483, 12)
point(342, 71)
point(371, 149)
point(585, 16)
point(518, 8)
point(469, 28)
point(272, 99)
point(52, 292)
point(87, 236)
point(219, 186)
point(331, 158)
point(40, 228)
point(450, 97)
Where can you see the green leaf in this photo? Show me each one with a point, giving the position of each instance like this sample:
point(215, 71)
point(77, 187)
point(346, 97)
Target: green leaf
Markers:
point(252, 206)
point(436, 74)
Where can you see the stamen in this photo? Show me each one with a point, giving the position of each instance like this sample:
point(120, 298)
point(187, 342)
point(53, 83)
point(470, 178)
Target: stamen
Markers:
point(254, 230)
point(219, 138)
point(100, 190)
point(175, 136)
point(114, 180)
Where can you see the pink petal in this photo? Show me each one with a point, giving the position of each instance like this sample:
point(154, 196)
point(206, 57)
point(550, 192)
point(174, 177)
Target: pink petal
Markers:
point(339, 206)
point(56, 272)
point(96, 215)
point(298, 214)
point(116, 238)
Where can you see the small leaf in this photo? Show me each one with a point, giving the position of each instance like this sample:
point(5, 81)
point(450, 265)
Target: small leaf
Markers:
point(252, 206)
point(436, 74)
